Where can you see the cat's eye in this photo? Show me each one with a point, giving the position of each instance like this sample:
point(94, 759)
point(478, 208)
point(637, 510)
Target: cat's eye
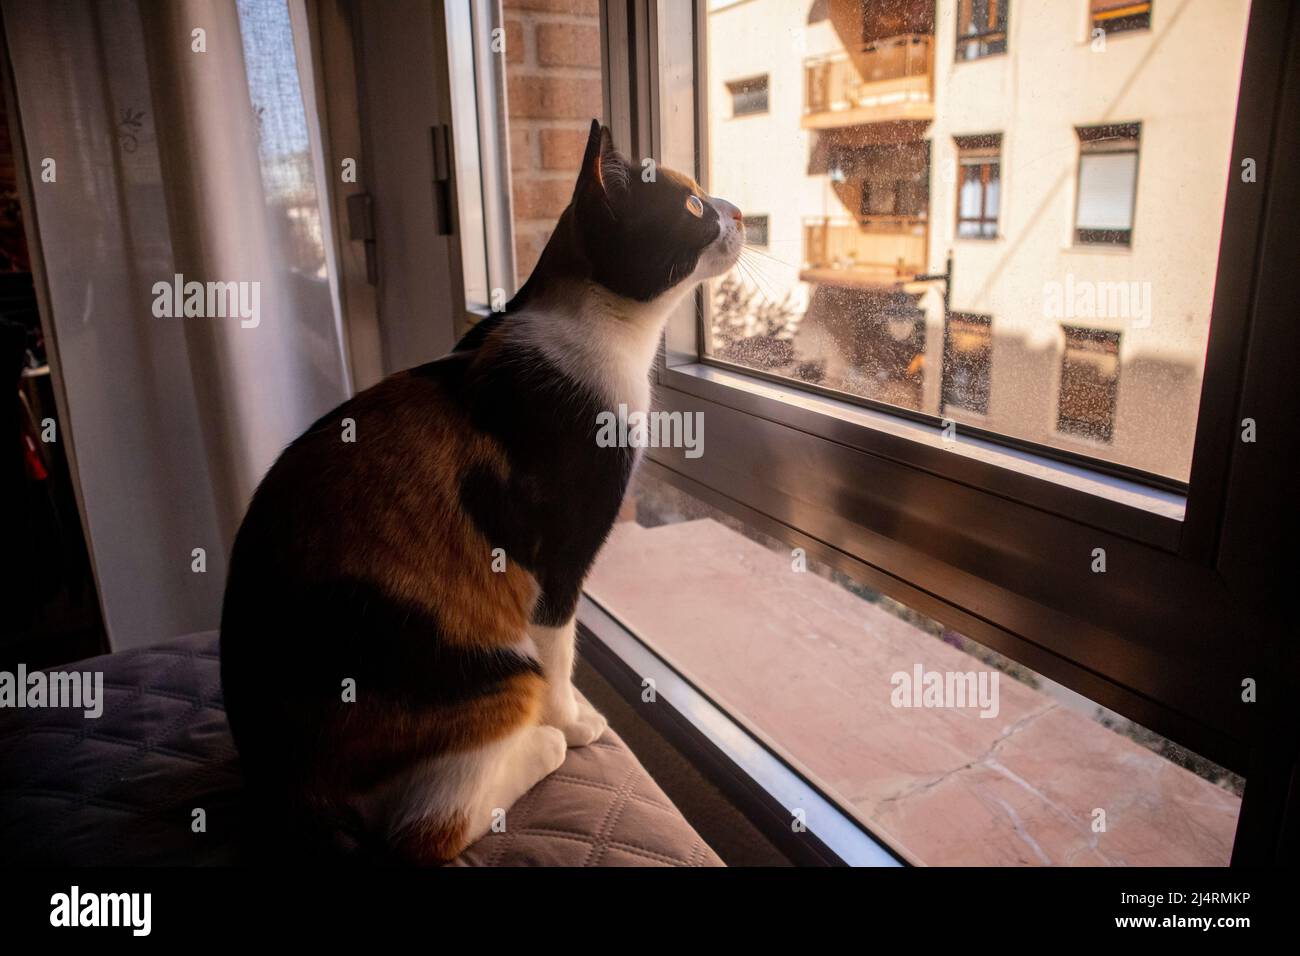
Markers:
point(695, 205)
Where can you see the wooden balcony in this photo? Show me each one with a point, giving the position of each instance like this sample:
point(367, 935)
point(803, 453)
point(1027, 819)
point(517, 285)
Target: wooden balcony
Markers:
point(869, 252)
point(879, 82)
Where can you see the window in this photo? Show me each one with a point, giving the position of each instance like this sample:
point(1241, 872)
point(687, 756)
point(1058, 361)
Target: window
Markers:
point(1108, 168)
point(826, 364)
point(981, 28)
point(1116, 16)
point(1089, 384)
point(531, 85)
point(748, 96)
point(756, 230)
point(967, 361)
point(978, 186)
point(836, 304)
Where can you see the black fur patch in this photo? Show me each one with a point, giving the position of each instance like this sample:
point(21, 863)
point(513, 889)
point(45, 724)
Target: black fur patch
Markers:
point(563, 492)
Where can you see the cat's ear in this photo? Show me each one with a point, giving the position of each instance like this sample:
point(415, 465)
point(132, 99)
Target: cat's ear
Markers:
point(604, 172)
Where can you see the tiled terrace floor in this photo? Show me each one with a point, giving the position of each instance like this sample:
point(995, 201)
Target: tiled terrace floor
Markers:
point(809, 663)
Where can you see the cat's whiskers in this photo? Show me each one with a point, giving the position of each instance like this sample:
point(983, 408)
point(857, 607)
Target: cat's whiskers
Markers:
point(758, 282)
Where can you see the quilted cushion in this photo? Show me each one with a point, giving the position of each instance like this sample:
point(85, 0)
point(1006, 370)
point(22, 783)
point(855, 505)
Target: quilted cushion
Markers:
point(123, 788)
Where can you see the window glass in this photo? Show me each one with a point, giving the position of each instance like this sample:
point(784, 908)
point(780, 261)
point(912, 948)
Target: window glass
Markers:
point(1095, 174)
point(553, 91)
point(1089, 383)
point(979, 171)
point(952, 753)
point(748, 96)
point(981, 28)
point(1108, 171)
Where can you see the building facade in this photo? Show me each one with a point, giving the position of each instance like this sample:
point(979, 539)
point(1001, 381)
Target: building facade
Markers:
point(1069, 158)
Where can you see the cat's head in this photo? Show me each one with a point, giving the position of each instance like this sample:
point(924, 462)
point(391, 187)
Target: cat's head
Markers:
point(642, 231)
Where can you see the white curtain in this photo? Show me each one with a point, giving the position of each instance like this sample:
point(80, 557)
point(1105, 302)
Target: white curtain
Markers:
point(153, 151)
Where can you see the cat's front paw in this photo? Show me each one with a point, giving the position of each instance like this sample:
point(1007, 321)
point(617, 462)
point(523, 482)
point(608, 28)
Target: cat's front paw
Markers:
point(585, 726)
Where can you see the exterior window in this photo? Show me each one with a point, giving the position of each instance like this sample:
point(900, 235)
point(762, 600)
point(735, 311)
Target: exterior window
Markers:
point(1108, 167)
point(748, 96)
point(981, 28)
point(756, 230)
point(872, 168)
point(1117, 16)
point(967, 362)
point(979, 186)
point(1089, 383)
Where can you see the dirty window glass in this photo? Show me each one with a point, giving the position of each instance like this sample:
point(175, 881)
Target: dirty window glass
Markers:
point(1076, 179)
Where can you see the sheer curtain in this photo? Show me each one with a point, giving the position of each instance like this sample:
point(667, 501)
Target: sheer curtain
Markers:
point(154, 151)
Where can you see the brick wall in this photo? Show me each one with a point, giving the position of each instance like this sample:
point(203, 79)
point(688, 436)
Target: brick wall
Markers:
point(553, 90)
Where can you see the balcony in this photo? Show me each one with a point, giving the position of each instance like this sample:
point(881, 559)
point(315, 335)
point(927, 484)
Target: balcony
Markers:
point(867, 252)
point(881, 81)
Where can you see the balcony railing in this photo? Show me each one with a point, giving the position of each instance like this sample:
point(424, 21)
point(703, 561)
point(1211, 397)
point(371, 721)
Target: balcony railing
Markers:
point(880, 81)
point(865, 252)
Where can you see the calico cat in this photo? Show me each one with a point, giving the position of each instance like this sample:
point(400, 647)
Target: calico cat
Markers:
point(370, 568)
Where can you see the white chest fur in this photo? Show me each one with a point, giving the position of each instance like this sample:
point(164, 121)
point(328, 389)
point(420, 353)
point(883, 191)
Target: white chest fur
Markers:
point(604, 341)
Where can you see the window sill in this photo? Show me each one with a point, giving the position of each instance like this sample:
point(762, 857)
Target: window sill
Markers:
point(749, 756)
point(1098, 248)
point(959, 60)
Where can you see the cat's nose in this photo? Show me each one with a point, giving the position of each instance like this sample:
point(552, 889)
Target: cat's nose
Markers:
point(727, 209)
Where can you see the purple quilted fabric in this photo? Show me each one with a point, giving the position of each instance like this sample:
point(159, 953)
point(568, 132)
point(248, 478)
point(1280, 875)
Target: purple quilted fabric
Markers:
point(123, 788)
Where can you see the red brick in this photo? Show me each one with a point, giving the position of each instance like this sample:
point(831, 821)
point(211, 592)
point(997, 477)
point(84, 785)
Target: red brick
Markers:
point(514, 41)
point(541, 198)
point(521, 148)
point(563, 148)
point(567, 44)
point(538, 97)
point(588, 8)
